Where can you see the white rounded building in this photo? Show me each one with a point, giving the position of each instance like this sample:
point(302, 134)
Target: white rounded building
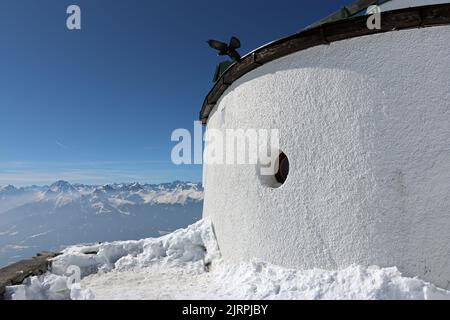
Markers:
point(364, 120)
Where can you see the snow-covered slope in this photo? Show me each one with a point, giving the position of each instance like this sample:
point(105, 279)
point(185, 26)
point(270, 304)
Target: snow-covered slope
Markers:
point(186, 264)
point(49, 217)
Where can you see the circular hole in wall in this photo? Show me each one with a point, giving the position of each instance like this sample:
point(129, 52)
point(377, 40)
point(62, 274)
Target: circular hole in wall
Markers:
point(283, 168)
point(276, 176)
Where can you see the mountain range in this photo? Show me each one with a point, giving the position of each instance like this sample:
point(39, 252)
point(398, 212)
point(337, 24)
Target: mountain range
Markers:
point(37, 218)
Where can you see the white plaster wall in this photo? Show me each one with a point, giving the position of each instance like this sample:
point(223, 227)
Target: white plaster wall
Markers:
point(366, 126)
point(399, 4)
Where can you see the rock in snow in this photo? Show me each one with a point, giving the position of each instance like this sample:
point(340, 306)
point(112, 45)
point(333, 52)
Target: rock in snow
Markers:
point(186, 264)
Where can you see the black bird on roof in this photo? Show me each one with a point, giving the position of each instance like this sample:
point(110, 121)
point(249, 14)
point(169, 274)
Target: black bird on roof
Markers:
point(227, 49)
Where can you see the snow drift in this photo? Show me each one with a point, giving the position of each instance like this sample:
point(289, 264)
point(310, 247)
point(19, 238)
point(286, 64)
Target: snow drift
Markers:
point(186, 264)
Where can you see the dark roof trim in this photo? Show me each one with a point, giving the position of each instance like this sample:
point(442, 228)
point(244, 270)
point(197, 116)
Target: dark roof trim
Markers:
point(408, 18)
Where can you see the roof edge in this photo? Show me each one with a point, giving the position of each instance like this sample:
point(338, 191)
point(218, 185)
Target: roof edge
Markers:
point(401, 19)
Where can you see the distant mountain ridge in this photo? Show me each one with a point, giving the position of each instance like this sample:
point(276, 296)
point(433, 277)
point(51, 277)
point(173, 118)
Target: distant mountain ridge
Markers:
point(111, 195)
point(48, 217)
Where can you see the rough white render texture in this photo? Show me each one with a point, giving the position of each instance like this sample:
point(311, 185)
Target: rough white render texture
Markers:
point(366, 126)
point(399, 4)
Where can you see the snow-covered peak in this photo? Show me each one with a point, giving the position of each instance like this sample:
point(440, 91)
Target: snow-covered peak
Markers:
point(135, 187)
point(9, 188)
point(61, 186)
point(107, 188)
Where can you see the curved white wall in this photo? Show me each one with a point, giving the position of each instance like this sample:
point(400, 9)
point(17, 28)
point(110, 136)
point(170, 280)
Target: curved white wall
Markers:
point(399, 4)
point(365, 123)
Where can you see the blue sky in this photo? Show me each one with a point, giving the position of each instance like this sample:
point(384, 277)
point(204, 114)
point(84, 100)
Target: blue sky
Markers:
point(99, 105)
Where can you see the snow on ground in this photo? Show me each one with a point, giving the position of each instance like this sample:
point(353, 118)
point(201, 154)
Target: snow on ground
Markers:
point(186, 264)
